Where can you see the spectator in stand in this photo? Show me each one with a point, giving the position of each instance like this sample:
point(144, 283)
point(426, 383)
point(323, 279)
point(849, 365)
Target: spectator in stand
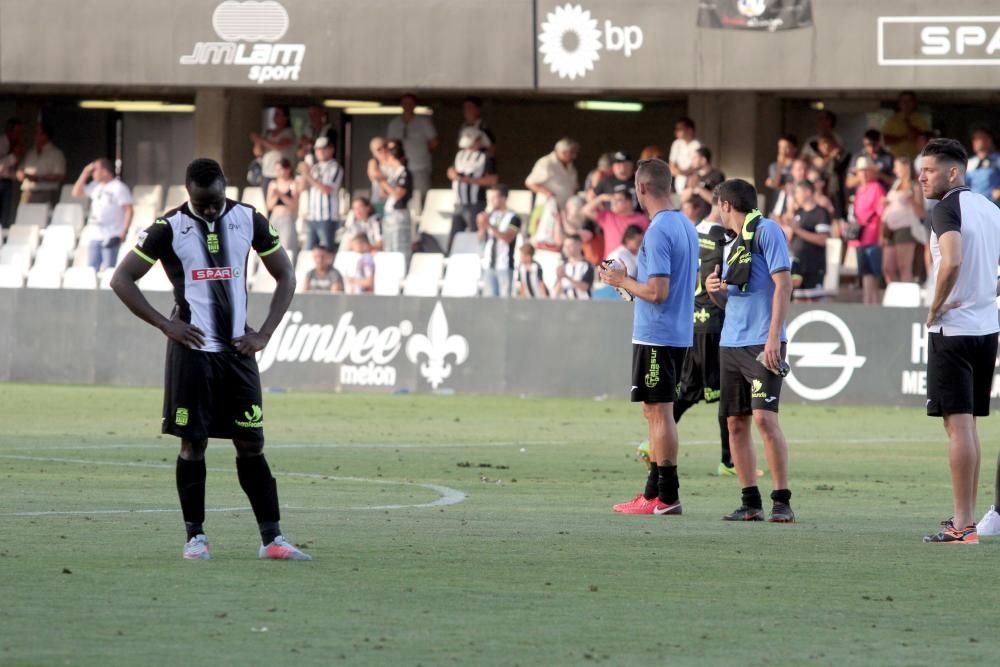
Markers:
point(872, 147)
point(652, 152)
point(983, 172)
point(43, 169)
point(110, 211)
point(903, 209)
point(323, 278)
point(808, 232)
point(362, 281)
point(472, 119)
point(277, 142)
point(377, 172)
point(819, 194)
point(554, 178)
point(11, 153)
point(362, 219)
point(682, 152)
point(324, 180)
point(833, 162)
point(695, 209)
point(419, 139)
point(528, 284)
point(497, 232)
point(903, 129)
point(598, 174)
point(283, 205)
point(317, 125)
point(575, 276)
point(826, 123)
point(868, 207)
point(473, 172)
point(704, 180)
point(612, 221)
point(628, 252)
point(784, 204)
point(622, 179)
point(779, 173)
point(397, 186)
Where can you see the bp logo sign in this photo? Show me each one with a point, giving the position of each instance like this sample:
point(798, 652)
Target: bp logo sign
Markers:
point(571, 40)
point(822, 355)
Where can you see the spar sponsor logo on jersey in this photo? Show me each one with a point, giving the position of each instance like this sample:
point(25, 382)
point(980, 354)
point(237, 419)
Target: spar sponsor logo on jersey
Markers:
point(914, 379)
point(250, 31)
point(938, 40)
point(368, 355)
point(571, 39)
point(215, 273)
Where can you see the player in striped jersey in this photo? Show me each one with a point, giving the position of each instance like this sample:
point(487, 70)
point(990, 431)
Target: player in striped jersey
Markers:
point(213, 385)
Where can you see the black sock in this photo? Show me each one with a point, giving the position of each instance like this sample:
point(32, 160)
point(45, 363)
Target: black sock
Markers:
point(651, 482)
point(751, 498)
point(668, 484)
point(727, 457)
point(262, 491)
point(781, 496)
point(680, 407)
point(191, 491)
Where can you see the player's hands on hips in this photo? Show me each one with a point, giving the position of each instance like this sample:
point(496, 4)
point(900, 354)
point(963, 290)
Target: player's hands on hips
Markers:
point(251, 342)
point(714, 283)
point(184, 333)
point(772, 355)
point(933, 316)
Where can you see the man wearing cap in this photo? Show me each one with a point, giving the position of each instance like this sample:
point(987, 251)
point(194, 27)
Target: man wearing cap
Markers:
point(472, 173)
point(324, 180)
point(868, 207)
point(622, 178)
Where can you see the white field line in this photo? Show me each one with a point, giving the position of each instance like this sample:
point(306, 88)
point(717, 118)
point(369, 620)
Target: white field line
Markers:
point(446, 495)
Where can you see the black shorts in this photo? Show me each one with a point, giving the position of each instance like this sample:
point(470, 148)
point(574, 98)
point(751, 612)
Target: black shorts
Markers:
point(212, 395)
point(701, 373)
point(960, 374)
point(746, 384)
point(655, 370)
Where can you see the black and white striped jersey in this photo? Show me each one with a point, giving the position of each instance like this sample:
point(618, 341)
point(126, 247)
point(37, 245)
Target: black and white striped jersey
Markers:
point(472, 164)
point(497, 253)
point(207, 265)
point(326, 205)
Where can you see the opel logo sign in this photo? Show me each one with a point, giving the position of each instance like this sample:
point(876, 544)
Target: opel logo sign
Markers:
point(837, 352)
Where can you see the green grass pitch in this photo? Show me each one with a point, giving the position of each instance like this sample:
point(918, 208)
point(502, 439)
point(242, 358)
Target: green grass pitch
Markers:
point(530, 568)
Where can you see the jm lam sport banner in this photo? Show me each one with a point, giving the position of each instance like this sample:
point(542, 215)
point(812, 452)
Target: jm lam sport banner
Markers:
point(769, 15)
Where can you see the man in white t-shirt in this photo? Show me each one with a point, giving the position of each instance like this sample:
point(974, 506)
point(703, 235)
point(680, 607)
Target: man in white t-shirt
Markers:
point(110, 210)
point(43, 169)
point(682, 153)
point(419, 138)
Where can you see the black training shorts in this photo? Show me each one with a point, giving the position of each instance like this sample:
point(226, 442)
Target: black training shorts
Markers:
point(211, 395)
point(655, 370)
point(960, 374)
point(746, 384)
point(701, 373)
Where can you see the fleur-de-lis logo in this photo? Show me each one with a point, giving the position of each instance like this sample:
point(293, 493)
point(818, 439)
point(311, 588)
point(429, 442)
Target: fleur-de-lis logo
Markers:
point(437, 345)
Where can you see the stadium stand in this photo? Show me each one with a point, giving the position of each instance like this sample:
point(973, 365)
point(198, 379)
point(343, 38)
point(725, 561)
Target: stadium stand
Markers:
point(66, 197)
point(254, 196)
point(32, 214)
point(464, 243)
point(424, 276)
point(435, 219)
point(176, 195)
point(71, 214)
point(549, 260)
point(461, 276)
point(80, 277)
point(902, 295)
point(148, 195)
point(11, 277)
point(390, 269)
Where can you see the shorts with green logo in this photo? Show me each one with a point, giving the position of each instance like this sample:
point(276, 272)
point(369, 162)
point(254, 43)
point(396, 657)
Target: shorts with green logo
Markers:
point(655, 370)
point(700, 374)
point(746, 384)
point(211, 395)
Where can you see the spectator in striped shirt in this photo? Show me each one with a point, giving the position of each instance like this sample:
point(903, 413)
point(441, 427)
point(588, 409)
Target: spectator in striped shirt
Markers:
point(529, 283)
point(497, 231)
point(575, 275)
point(324, 180)
point(474, 170)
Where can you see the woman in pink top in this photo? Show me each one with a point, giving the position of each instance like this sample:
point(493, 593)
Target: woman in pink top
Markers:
point(904, 206)
point(868, 207)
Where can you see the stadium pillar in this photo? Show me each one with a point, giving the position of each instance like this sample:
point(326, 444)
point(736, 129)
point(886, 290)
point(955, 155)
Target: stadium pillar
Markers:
point(741, 128)
point(223, 120)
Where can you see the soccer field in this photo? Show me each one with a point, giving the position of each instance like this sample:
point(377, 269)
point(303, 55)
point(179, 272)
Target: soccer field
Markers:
point(478, 531)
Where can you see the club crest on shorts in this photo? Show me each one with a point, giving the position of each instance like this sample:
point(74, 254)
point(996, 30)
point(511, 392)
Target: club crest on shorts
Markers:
point(181, 417)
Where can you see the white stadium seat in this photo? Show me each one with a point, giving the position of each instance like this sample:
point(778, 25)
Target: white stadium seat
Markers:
point(105, 282)
point(346, 263)
point(390, 268)
point(232, 192)
point(254, 196)
point(436, 216)
point(70, 215)
point(80, 277)
point(520, 202)
point(51, 257)
point(44, 276)
point(176, 195)
point(461, 276)
point(143, 215)
point(902, 295)
point(424, 276)
point(549, 260)
point(66, 197)
point(11, 276)
point(263, 282)
point(62, 237)
point(16, 256)
point(155, 280)
point(465, 242)
point(148, 195)
point(831, 281)
point(32, 214)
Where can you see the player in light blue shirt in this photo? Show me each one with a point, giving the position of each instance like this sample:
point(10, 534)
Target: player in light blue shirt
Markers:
point(755, 288)
point(662, 331)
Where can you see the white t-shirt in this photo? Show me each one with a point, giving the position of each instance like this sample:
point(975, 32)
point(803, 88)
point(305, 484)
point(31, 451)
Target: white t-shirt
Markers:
point(107, 200)
point(415, 135)
point(49, 162)
point(559, 178)
point(682, 153)
point(630, 261)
